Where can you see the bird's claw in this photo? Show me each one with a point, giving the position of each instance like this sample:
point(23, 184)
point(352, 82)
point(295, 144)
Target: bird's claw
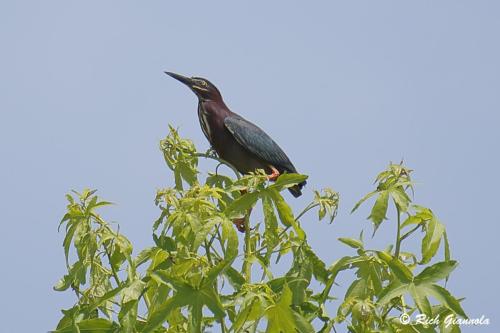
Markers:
point(274, 175)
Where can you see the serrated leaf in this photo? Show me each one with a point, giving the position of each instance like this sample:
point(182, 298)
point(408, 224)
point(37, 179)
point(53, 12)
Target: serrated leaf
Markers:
point(248, 313)
point(319, 268)
point(280, 316)
point(201, 235)
point(242, 204)
point(285, 213)
point(159, 315)
point(76, 274)
point(431, 240)
point(128, 317)
point(230, 238)
point(133, 291)
point(234, 277)
point(379, 209)
point(339, 265)
point(96, 325)
point(271, 225)
point(393, 290)
point(299, 277)
point(400, 198)
point(436, 272)
point(400, 270)
point(186, 295)
point(287, 180)
point(106, 297)
point(420, 299)
point(445, 298)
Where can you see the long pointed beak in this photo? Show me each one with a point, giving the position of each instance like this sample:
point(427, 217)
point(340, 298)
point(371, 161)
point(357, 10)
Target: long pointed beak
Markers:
point(186, 80)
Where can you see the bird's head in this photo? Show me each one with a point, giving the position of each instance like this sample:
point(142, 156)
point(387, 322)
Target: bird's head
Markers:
point(203, 88)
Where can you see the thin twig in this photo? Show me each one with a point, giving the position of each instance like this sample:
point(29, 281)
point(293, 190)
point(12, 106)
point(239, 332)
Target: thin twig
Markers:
point(220, 160)
point(398, 234)
point(410, 232)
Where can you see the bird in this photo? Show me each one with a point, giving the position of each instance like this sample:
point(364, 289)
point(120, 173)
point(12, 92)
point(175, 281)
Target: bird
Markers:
point(236, 140)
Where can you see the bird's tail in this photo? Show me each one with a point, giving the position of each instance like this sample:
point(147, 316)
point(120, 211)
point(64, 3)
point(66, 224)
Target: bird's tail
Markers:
point(296, 190)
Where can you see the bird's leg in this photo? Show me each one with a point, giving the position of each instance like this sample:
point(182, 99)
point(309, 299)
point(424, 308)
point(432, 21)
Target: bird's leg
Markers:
point(274, 175)
point(240, 222)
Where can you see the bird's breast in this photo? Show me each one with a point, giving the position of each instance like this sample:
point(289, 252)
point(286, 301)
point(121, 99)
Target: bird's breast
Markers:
point(204, 118)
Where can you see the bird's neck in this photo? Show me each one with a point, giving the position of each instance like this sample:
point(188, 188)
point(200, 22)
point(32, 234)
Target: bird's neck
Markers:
point(213, 107)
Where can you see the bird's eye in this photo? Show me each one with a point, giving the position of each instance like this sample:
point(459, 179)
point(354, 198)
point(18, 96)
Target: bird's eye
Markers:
point(203, 83)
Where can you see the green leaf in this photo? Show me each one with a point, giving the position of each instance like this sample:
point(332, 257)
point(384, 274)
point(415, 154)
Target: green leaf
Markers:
point(339, 265)
point(96, 325)
point(444, 297)
point(106, 297)
point(194, 297)
point(133, 291)
point(159, 316)
point(399, 269)
point(285, 213)
point(128, 317)
point(379, 209)
point(319, 268)
point(281, 318)
point(393, 290)
point(242, 204)
point(144, 256)
point(447, 254)
point(210, 298)
point(201, 235)
point(356, 290)
point(68, 238)
point(436, 272)
point(76, 275)
point(248, 313)
point(328, 202)
point(271, 224)
point(230, 238)
point(421, 301)
point(366, 197)
point(431, 240)
point(287, 180)
point(234, 277)
point(303, 325)
point(400, 198)
point(299, 276)
point(187, 172)
point(354, 243)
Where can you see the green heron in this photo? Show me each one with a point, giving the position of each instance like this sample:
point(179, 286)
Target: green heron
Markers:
point(235, 139)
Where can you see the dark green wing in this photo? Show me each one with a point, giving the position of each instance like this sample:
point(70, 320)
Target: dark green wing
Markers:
point(258, 143)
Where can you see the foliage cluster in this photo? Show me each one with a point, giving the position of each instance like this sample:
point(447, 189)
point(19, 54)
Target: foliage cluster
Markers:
point(199, 275)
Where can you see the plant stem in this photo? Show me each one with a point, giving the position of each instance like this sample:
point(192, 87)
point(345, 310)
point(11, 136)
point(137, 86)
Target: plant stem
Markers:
point(220, 160)
point(308, 208)
point(410, 232)
point(398, 235)
point(247, 265)
point(115, 275)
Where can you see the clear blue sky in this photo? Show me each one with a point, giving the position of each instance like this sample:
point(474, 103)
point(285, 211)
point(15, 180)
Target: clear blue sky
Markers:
point(344, 87)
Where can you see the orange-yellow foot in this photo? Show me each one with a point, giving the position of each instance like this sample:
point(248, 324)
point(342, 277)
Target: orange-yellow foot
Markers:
point(240, 224)
point(274, 175)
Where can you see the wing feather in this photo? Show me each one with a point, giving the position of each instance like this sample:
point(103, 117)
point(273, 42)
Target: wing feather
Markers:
point(258, 142)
